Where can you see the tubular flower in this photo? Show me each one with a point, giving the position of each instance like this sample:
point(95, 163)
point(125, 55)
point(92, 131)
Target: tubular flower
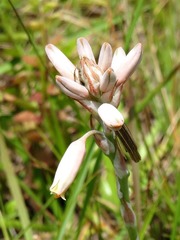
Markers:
point(69, 165)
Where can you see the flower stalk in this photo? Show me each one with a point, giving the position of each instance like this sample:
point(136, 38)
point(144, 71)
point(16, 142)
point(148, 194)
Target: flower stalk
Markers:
point(127, 212)
point(98, 87)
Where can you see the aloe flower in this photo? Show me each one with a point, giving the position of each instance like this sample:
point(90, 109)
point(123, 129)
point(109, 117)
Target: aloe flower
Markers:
point(97, 86)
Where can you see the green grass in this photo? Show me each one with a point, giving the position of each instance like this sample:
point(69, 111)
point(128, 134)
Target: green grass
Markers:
point(30, 150)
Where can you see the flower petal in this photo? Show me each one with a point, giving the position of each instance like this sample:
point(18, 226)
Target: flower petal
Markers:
point(116, 97)
point(107, 81)
point(110, 115)
point(69, 93)
point(73, 87)
point(63, 65)
point(127, 68)
point(118, 58)
point(105, 56)
point(68, 167)
point(91, 75)
point(84, 49)
point(107, 97)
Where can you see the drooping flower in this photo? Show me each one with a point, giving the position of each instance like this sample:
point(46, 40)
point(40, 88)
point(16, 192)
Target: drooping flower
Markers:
point(70, 164)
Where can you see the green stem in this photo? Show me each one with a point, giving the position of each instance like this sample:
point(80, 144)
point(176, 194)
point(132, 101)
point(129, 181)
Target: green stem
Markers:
point(127, 212)
point(122, 175)
point(15, 189)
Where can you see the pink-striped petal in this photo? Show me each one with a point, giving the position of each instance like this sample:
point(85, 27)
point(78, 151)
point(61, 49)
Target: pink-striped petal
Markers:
point(73, 87)
point(69, 93)
point(105, 56)
point(84, 49)
point(107, 80)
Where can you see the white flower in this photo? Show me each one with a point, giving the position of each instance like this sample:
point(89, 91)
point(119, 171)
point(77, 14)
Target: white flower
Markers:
point(69, 165)
point(110, 116)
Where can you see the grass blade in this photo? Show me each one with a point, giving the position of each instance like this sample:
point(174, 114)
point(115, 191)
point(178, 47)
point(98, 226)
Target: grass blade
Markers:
point(15, 188)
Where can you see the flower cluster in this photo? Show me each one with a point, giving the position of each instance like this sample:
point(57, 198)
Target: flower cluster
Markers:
point(97, 86)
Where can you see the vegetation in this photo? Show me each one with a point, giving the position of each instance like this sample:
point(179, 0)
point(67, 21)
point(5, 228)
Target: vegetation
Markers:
point(38, 122)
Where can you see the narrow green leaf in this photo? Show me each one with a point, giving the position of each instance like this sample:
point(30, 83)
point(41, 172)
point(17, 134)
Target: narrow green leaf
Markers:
point(15, 188)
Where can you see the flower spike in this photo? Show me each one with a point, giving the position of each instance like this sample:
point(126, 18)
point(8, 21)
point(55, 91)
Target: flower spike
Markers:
point(97, 86)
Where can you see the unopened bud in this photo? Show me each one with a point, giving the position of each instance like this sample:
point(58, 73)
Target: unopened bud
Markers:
point(110, 115)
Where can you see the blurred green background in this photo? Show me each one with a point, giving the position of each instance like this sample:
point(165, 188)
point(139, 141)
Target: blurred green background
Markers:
point(38, 122)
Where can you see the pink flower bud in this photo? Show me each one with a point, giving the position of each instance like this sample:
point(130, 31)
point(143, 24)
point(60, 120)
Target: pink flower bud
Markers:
point(110, 115)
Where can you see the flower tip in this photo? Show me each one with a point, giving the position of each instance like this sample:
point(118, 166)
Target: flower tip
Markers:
point(84, 49)
point(60, 196)
point(58, 78)
point(49, 47)
point(81, 39)
point(83, 42)
point(63, 197)
point(138, 48)
point(57, 194)
point(138, 52)
point(139, 44)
